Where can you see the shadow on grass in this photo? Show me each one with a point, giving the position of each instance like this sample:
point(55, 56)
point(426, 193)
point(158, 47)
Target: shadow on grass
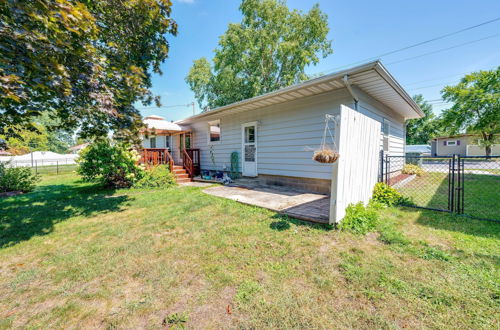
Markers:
point(284, 222)
point(459, 223)
point(36, 213)
point(481, 200)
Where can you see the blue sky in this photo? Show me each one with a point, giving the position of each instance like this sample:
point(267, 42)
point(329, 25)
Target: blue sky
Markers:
point(358, 30)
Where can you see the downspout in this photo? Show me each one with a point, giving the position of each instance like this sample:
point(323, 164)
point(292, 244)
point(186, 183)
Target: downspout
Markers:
point(349, 88)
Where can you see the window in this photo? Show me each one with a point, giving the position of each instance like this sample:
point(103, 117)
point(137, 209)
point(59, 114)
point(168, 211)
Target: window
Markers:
point(214, 131)
point(186, 140)
point(451, 143)
point(152, 142)
point(250, 134)
point(386, 127)
point(167, 142)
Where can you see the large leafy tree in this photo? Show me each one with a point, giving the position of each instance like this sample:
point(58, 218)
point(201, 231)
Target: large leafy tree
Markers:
point(476, 107)
point(421, 130)
point(86, 61)
point(268, 50)
point(42, 138)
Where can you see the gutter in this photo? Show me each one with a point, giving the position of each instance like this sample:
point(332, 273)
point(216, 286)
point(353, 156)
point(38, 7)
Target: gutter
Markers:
point(319, 80)
point(347, 84)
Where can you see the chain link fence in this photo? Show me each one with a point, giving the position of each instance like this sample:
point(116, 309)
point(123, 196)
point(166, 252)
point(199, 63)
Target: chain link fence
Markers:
point(45, 166)
point(464, 185)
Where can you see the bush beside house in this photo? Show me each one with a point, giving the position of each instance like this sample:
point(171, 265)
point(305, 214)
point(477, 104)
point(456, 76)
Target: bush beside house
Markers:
point(116, 166)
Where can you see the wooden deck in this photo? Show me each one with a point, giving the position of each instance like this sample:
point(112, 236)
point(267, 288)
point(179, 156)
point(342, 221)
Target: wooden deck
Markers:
point(189, 168)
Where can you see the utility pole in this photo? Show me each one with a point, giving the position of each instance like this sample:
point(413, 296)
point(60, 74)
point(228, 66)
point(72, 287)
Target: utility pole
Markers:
point(192, 104)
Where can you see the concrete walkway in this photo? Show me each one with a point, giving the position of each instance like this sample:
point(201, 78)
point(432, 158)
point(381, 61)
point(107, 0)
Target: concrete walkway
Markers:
point(296, 204)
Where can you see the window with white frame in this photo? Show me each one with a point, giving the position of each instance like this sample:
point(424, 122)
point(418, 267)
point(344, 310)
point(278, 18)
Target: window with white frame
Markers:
point(214, 132)
point(386, 127)
point(451, 143)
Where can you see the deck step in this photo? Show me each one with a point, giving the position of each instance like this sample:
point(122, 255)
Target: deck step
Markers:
point(181, 175)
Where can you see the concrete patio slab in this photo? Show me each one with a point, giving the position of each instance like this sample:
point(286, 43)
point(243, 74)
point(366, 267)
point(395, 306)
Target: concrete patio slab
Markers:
point(296, 204)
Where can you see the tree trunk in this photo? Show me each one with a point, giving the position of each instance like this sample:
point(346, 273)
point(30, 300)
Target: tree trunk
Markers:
point(488, 150)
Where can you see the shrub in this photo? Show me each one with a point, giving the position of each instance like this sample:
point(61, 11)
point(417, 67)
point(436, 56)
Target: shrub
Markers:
point(158, 176)
point(17, 179)
point(111, 165)
point(412, 169)
point(359, 219)
point(387, 195)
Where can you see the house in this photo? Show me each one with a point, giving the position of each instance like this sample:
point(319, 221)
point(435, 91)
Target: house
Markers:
point(77, 148)
point(418, 149)
point(461, 144)
point(275, 134)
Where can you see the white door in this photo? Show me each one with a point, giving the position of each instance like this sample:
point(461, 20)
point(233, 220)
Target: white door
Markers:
point(249, 149)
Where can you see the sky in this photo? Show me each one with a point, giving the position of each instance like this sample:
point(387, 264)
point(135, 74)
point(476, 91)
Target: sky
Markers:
point(360, 31)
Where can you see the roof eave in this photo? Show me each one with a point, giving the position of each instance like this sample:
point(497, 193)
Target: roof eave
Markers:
point(394, 84)
point(375, 65)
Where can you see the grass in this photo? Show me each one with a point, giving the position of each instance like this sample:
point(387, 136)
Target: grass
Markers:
point(481, 191)
point(72, 255)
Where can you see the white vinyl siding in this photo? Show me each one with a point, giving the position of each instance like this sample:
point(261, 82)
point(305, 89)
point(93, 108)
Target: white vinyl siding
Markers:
point(376, 110)
point(288, 134)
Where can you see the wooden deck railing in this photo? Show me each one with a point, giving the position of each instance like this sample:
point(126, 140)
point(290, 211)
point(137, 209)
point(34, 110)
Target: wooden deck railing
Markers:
point(156, 156)
point(191, 161)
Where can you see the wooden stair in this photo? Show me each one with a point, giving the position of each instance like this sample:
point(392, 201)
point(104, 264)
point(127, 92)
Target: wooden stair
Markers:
point(181, 175)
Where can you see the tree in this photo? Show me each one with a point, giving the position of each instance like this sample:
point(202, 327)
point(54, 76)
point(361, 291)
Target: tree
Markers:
point(88, 61)
point(58, 140)
point(421, 130)
point(476, 107)
point(25, 140)
point(268, 50)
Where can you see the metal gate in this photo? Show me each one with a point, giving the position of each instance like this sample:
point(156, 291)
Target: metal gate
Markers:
point(456, 184)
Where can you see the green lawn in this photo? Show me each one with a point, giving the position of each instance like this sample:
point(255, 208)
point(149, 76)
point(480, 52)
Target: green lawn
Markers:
point(481, 199)
point(74, 256)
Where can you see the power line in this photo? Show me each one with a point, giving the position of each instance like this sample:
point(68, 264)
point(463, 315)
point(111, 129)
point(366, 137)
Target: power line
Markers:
point(415, 45)
point(444, 49)
point(434, 79)
point(429, 86)
point(167, 106)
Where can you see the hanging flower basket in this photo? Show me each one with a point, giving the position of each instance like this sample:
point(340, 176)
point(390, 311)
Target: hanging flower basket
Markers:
point(326, 156)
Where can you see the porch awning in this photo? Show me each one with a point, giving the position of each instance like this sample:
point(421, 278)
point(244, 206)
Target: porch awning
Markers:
point(160, 125)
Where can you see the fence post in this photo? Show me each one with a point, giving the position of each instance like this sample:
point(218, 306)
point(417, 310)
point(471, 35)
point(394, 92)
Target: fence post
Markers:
point(57, 167)
point(462, 186)
point(449, 184)
point(381, 171)
point(387, 166)
point(452, 197)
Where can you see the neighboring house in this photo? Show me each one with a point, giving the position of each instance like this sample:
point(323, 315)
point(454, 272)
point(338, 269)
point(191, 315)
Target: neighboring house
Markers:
point(461, 144)
point(420, 149)
point(275, 134)
point(76, 149)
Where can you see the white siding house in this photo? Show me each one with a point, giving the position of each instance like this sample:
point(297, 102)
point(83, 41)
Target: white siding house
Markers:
point(276, 134)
